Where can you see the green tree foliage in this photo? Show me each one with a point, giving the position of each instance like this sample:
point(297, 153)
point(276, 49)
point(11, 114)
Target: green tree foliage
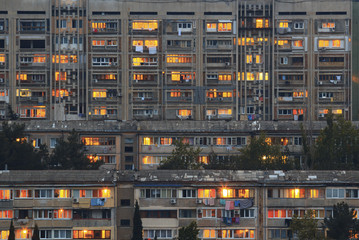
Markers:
point(189, 232)
point(306, 227)
point(343, 222)
point(183, 156)
point(337, 146)
point(11, 231)
point(137, 224)
point(229, 162)
point(15, 151)
point(261, 153)
point(69, 153)
point(35, 234)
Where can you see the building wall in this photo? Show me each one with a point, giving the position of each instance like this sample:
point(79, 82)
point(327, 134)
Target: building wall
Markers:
point(124, 60)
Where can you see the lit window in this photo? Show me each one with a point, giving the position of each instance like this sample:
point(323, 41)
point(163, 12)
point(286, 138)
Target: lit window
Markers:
point(328, 25)
point(206, 193)
point(209, 233)
point(224, 77)
point(283, 42)
point(177, 58)
point(38, 59)
point(98, 25)
point(296, 193)
point(101, 193)
point(243, 193)
point(336, 43)
point(211, 27)
point(62, 193)
point(137, 43)
point(100, 111)
point(4, 234)
point(227, 193)
point(23, 77)
point(314, 193)
point(99, 93)
point(259, 23)
point(2, 58)
point(249, 59)
point(98, 43)
point(258, 58)
point(203, 159)
point(61, 213)
point(298, 43)
point(23, 92)
point(323, 43)
point(60, 93)
point(184, 112)
point(147, 141)
point(151, 43)
point(60, 76)
point(5, 194)
point(224, 27)
point(22, 233)
point(145, 25)
point(283, 24)
point(34, 112)
point(225, 111)
point(175, 93)
point(64, 58)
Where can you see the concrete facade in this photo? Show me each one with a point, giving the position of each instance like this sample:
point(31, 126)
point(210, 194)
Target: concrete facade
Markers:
point(225, 204)
point(198, 60)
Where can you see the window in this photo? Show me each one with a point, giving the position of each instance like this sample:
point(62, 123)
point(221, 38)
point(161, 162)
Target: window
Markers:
point(188, 193)
point(62, 214)
point(36, 143)
point(179, 58)
point(299, 25)
point(99, 93)
point(60, 76)
point(158, 193)
point(335, 193)
point(225, 27)
point(43, 214)
point(104, 61)
point(298, 141)
point(6, 214)
point(91, 234)
point(328, 25)
point(249, 59)
point(208, 233)
point(352, 193)
point(246, 213)
point(209, 213)
point(258, 59)
point(224, 112)
point(62, 193)
point(285, 112)
point(153, 159)
point(22, 233)
point(283, 60)
point(245, 193)
point(23, 193)
point(184, 27)
point(280, 234)
point(61, 234)
point(145, 25)
point(224, 77)
point(61, 23)
point(101, 193)
point(184, 113)
point(45, 234)
point(75, 25)
point(187, 213)
point(144, 61)
point(283, 24)
point(211, 27)
point(53, 142)
point(125, 222)
point(5, 194)
point(163, 233)
point(297, 43)
point(259, 23)
point(98, 141)
point(64, 59)
point(335, 43)
point(227, 193)
point(206, 193)
point(98, 43)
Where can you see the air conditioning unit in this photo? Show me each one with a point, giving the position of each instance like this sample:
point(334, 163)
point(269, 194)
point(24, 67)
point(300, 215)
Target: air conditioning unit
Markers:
point(199, 201)
point(76, 200)
point(173, 201)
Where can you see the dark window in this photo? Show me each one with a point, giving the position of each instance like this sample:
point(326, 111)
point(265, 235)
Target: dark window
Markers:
point(331, 13)
point(217, 13)
point(180, 13)
point(125, 222)
point(128, 140)
point(187, 213)
point(106, 13)
point(2, 43)
point(125, 202)
point(143, 13)
point(159, 214)
point(32, 43)
point(292, 13)
point(31, 12)
point(129, 167)
point(128, 149)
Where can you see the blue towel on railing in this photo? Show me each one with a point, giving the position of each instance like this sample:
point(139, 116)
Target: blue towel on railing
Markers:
point(97, 202)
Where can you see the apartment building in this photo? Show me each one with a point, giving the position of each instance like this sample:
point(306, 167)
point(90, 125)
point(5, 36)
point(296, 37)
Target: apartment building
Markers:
point(63, 204)
point(141, 145)
point(225, 204)
point(203, 60)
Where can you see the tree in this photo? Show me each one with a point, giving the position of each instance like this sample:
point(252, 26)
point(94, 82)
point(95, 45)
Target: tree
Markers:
point(306, 227)
point(342, 224)
point(261, 153)
point(35, 235)
point(189, 232)
point(11, 231)
point(15, 151)
point(70, 154)
point(183, 156)
point(337, 146)
point(228, 162)
point(137, 224)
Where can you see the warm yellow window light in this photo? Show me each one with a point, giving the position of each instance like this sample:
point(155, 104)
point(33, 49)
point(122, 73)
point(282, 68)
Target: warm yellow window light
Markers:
point(23, 77)
point(224, 27)
point(97, 25)
point(145, 25)
point(224, 77)
point(99, 93)
point(137, 43)
point(2, 58)
point(323, 43)
point(98, 42)
point(151, 43)
point(39, 59)
point(106, 193)
point(259, 23)
point(249, 58)
point(283, 24)
point(211, 26)
point(60, 76)
point(184, 112)
point(298, 43)
point(147, 141)
point(336, 43)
